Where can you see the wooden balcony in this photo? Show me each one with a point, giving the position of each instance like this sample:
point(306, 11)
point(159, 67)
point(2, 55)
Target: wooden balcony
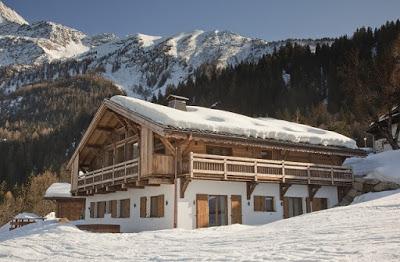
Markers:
point(214, 167)
point(111, 175)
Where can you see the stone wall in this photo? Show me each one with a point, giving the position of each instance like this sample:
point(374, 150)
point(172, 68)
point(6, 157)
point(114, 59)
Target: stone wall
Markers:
point(365, 185)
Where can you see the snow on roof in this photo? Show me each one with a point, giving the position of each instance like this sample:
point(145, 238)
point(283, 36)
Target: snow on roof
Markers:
point(26, 215)
point(224, 122)
point(62, 190)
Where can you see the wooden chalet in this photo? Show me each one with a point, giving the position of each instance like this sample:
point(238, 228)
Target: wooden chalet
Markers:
point(141, 172)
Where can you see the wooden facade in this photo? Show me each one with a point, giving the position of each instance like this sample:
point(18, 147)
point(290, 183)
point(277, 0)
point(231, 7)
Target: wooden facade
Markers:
point(122, 150)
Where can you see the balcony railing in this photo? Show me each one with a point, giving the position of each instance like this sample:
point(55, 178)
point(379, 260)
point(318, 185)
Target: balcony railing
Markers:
point(110, 175)
point(206, 166)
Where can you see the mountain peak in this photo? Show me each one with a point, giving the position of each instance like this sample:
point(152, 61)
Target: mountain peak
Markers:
point(7, 15)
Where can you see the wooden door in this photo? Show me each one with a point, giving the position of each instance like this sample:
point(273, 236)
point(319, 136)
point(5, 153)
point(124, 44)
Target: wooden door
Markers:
point(316, 204)
point(236, 209)
point(292, 206)
point(202, 211)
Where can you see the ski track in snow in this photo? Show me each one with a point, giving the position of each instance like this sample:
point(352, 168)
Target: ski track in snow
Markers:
point(367, 231)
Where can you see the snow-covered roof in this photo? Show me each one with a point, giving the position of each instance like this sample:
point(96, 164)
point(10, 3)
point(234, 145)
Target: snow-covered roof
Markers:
point(58, 190)
point(224, 122)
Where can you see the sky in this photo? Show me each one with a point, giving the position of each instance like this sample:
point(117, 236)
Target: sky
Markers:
point(268, 20)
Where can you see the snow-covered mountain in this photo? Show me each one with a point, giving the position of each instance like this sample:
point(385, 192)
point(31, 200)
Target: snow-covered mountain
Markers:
point(140, 64)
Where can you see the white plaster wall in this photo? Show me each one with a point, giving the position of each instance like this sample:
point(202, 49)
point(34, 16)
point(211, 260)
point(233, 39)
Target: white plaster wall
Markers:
point(329, 192)
point(135, 223)
point(187, 205)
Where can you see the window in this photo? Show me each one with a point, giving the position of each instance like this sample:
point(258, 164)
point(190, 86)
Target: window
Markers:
point(112, 208)
point(101, 209)
point(132, 151)
point(143, 207)
point(109, 157)
point(157, 206)
point(219, 150)
point(120, 154)
point(124, 208)
point(264, 204)
point(92, 209)
point(159, 147)
point(266, 154)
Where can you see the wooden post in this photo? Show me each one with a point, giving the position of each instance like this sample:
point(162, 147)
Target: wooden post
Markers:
point(283, 171)
point(255, 170)
point(309, 174)
point(332, 176)
point(225, 169)
point(191, 164)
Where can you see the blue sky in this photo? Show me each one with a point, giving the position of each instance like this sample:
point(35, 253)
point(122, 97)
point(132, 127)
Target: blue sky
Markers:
point(269, 20)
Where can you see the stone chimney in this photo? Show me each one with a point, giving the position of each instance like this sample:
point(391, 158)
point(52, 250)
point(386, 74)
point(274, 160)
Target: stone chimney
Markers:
point(177, 102)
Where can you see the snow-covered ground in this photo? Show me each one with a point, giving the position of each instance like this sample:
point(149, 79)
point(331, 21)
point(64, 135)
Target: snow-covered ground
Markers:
point(366, 231)
point(384, 166)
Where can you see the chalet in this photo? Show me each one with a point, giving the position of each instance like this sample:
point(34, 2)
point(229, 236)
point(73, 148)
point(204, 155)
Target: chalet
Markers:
point(380, 142)
point(144, 166)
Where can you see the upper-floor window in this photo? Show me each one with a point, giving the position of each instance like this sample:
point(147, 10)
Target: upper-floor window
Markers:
point(266, 154)
point(219, 150)
point(159, 147)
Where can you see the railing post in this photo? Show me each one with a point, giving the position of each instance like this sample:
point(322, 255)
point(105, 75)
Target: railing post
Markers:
point(332, 176)
point(191, 164)
point(225, 169)
point(283, 171)
point(113, 171)
point(255, 170)
point(308, 174)
point(125, 172)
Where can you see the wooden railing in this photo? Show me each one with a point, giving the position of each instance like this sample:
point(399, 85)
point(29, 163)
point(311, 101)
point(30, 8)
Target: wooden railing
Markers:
point(20, 222)
point(252, 169)
point(110, 175)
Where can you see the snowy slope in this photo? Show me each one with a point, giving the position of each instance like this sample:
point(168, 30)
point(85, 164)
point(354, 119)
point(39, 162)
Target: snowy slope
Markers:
point(142, 65)
point(368, 231)
point(224, 122)
point(384, 166)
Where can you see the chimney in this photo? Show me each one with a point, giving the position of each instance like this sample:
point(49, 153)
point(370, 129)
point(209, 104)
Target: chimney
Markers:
point(177, 102)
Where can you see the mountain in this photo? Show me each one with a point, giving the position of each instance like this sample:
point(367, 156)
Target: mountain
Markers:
point(142, 65)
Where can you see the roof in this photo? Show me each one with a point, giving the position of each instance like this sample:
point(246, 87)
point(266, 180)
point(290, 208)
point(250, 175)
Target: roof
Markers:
point(223, 122)
point(58, 190)
point(382, 120)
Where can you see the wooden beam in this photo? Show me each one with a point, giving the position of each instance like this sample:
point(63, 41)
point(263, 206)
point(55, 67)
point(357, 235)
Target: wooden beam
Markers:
point(105, 129)
point(250, 186)
point(312, 190)
point(159, 181)
point(183, 186)
point(168, 144)
point(283, 188)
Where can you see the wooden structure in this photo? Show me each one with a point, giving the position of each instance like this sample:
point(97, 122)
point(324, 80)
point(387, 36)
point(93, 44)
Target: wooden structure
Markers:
point(20, 222)
point(100, 228)
point(123, 149)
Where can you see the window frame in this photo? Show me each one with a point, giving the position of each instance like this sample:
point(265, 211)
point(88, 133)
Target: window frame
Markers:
point(260, 203)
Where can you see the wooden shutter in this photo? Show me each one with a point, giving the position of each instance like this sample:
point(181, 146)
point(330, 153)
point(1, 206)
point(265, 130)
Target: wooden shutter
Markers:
point(113, 208)
point(143, 206)
point(319, 204)
point(202, 211)
point(259, 203)
point(285, 207)
point(125, 209)
point(160, 206)
point(308, 205)
point(236, 209)
point(101, 209)
point(92, 208)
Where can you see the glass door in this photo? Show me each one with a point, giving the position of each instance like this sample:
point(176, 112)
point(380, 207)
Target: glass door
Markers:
point(218, 212)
